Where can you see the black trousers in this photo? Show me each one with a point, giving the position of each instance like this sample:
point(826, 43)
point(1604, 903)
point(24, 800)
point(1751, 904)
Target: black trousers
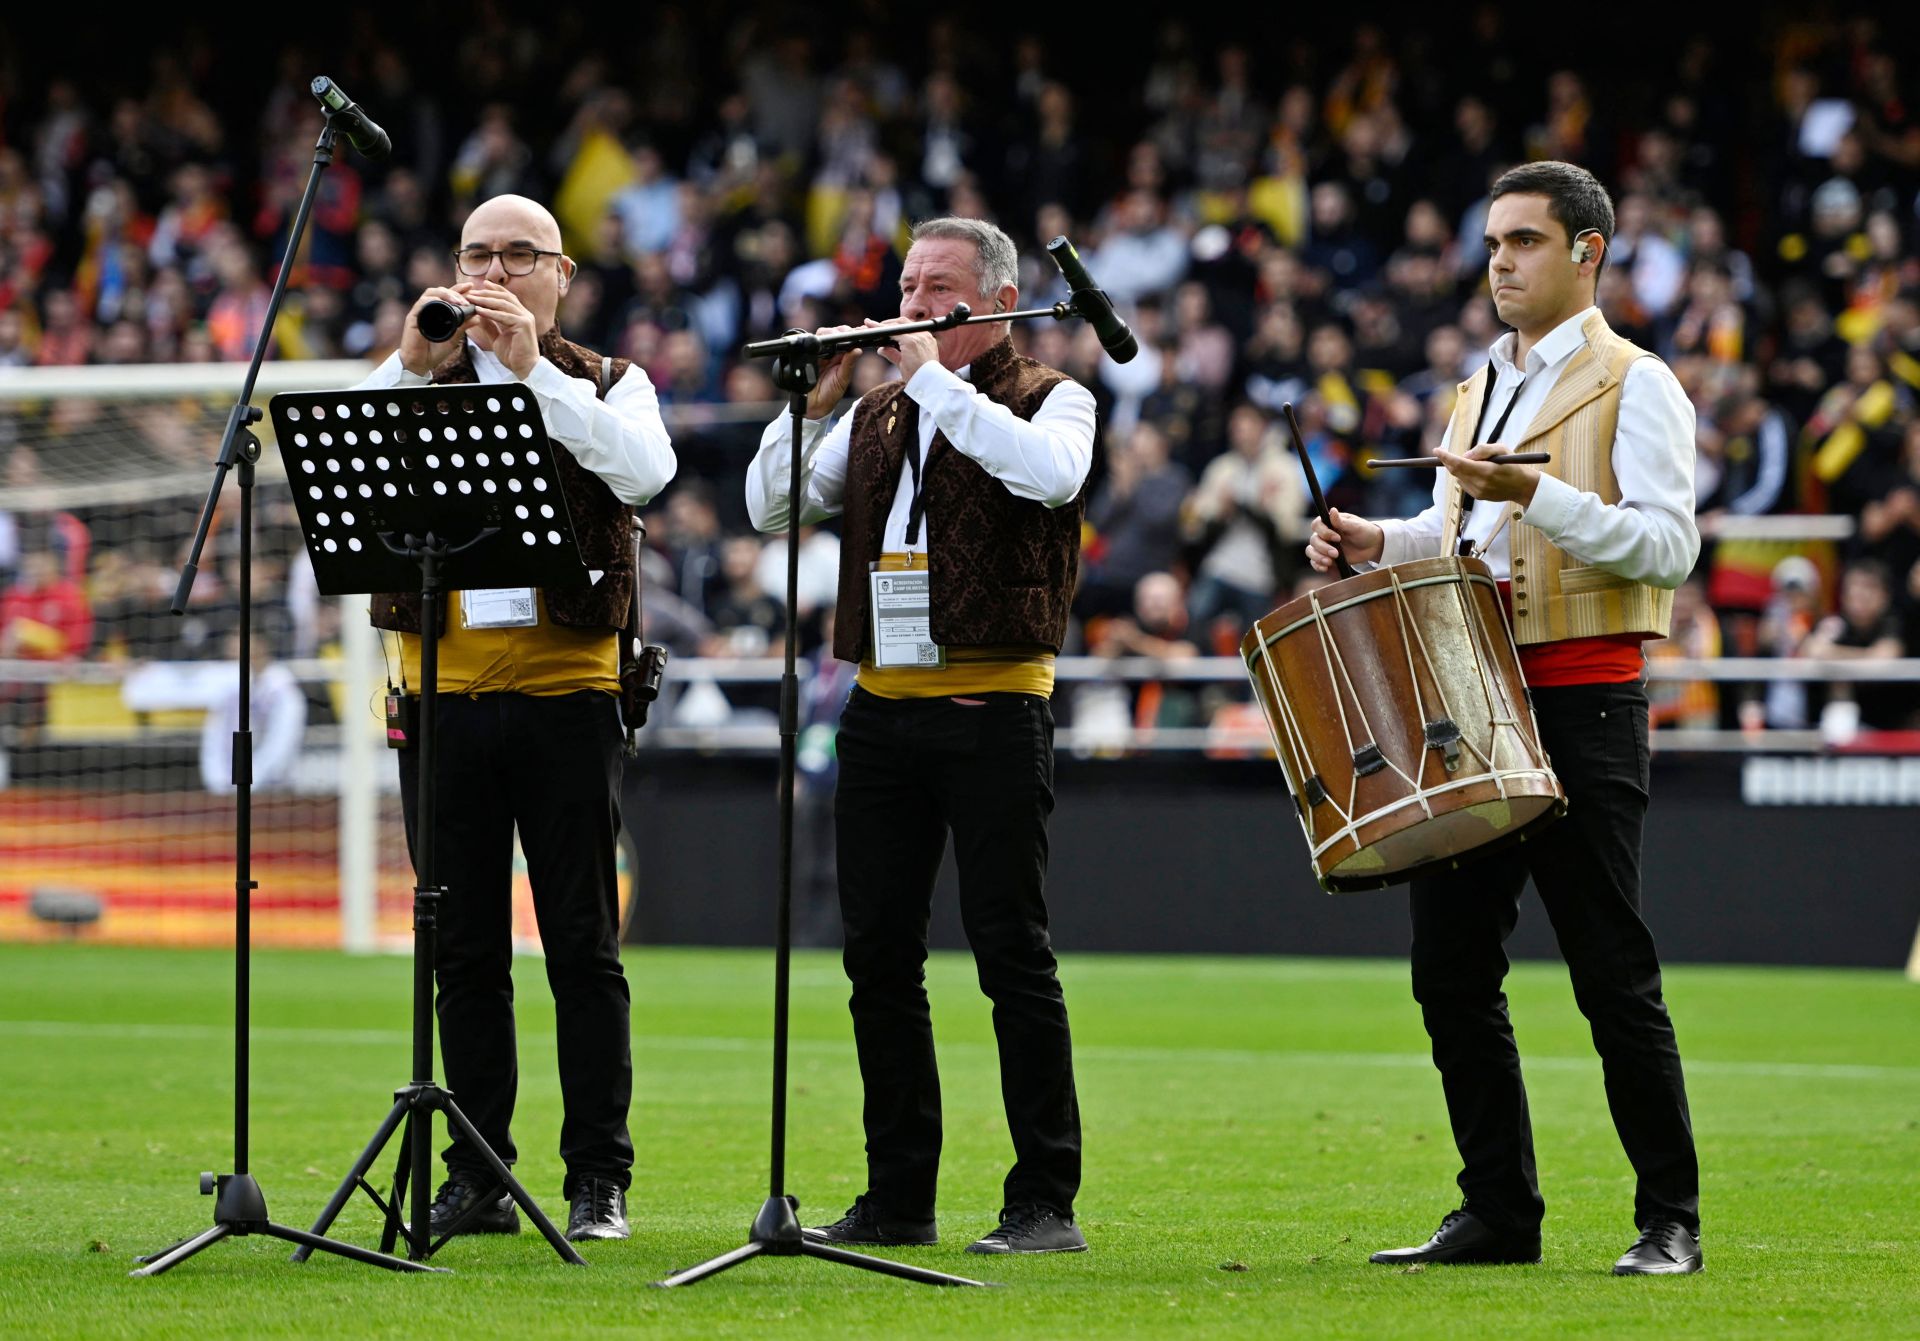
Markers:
point(911, 770)
point(549, 766)
point(1586, 867)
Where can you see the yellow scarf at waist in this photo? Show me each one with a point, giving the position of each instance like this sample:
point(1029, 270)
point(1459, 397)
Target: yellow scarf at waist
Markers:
point(541, 659)
point(969, 670)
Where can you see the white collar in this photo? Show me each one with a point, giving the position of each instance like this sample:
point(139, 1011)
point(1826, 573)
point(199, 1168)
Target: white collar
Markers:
point(1553, 348)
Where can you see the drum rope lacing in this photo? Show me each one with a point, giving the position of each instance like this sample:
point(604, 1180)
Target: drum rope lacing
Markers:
point(1296, 752)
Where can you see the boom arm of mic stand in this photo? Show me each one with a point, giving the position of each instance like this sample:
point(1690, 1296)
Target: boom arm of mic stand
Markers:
point(244, 411)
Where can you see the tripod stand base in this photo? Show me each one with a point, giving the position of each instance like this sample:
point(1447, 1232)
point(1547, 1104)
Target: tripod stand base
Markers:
point(415, 1105)
point(242, 1210)
point(776, 1233)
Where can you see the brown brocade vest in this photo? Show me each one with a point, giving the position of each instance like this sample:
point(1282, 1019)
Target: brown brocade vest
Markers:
point(600, 520)
point(1002, 568)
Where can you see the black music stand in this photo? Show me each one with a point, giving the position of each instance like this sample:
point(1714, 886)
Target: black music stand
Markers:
point(394, 487)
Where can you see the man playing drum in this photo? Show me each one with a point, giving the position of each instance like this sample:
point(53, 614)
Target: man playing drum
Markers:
point(1590, 547)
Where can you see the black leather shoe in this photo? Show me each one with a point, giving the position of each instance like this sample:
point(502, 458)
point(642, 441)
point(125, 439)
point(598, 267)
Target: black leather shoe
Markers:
point(462, 1191)
point(598, 1211)
point(1663, 1249)
point(1032, 1229)
point(1464, 1239)
point(863, 1225)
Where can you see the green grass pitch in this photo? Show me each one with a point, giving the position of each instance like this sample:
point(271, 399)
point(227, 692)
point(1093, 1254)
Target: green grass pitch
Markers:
point(1253, 1128)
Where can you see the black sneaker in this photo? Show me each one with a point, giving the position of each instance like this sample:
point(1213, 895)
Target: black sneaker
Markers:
point(492, 1210)
point(1032, 1229)
point(864, 1225)
point(599, 1211)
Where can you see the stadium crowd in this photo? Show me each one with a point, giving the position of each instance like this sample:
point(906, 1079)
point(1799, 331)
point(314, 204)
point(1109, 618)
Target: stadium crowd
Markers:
point(1295, 221)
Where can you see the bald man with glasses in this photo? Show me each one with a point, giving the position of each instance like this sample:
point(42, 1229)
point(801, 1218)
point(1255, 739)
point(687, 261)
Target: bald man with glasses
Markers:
point(529, 731)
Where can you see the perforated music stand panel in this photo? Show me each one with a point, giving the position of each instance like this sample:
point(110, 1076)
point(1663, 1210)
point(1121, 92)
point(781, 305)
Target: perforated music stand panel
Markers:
point(451, 460)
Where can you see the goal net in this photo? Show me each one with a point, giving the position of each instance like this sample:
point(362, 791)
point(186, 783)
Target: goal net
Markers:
point(117, 818)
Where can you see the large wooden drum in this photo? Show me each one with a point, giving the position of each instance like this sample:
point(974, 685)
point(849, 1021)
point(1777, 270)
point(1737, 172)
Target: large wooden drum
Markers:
point(1401, 719)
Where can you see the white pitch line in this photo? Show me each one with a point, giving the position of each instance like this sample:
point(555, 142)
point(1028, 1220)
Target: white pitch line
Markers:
point(1084, 1052)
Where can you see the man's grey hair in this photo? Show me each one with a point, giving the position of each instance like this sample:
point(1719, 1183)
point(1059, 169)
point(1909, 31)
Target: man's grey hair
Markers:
point(995, 262)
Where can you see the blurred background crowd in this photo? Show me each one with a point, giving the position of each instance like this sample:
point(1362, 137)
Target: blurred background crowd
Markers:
point(1282, 215)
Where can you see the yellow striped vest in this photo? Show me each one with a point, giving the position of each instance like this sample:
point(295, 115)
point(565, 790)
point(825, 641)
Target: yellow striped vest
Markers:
point(1555, 596)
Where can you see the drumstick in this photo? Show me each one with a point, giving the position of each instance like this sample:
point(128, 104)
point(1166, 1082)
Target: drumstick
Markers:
point(1504, 459)
point(1313, 486)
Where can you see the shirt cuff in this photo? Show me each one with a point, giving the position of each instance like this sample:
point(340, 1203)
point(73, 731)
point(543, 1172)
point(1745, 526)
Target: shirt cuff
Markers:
point(392, 372)
point(546, 379)
point(932, 379)
point(1551, 511)
point(1393, 548)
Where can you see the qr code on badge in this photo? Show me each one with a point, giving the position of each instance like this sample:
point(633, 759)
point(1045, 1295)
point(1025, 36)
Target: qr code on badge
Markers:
point(927, 653)
point(523, 607)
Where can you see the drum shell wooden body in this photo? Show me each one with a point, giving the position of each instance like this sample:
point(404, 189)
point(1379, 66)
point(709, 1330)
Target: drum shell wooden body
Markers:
point(1371, 686)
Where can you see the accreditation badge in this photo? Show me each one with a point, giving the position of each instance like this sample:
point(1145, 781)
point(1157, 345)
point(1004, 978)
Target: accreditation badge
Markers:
point(901, 602)
point(499, 608)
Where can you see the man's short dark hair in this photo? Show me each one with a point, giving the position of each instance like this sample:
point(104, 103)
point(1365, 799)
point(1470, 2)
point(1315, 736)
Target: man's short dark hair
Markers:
point(1574, 197)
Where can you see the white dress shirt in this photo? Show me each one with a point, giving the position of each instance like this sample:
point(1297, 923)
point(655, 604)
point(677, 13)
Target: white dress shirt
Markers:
point(1045, 459)
point(622, 439)
point(1648, 536)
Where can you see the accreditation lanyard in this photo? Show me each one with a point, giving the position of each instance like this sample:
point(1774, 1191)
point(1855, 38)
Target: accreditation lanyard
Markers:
point(1499, 427)
point(901, 602)
point(916, 504)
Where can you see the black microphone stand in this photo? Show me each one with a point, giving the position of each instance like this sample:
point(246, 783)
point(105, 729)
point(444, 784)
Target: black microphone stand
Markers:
point(796, 370)
point(240, 1207)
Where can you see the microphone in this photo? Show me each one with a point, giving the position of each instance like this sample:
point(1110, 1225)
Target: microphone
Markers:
point(440, 320)
point(1091, 302)
point(362, 130)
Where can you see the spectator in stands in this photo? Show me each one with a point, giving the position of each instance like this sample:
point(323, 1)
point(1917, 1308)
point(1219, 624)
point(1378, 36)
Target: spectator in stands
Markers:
point(1890, 521)
point(1696, 637)
point(44, 615)
point(1644, 255)
point(1250, 502)
point(1854, 432)
point(1744, 449)
point(1796, 606)
point(648, 207)
point(1155, 626)
point(13, 341)
point(747, 620)
point(1142, 253)
point(66, 336)
point(690, 539)
point(819, 579)
point(240, 308)
point(493, 161)
point(1865, 628)
point(1348, 257)
point(1135, 520)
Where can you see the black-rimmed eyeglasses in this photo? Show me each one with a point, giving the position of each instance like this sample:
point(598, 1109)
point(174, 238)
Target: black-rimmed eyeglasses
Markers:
point(517, 261)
